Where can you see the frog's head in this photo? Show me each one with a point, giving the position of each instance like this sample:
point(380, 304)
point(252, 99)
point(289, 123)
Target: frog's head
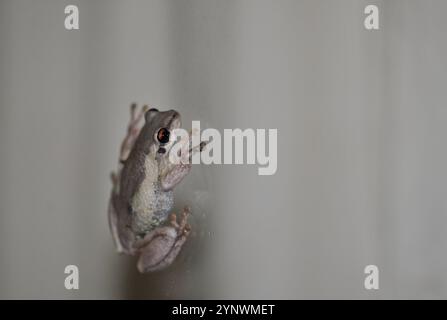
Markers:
point(158, 131)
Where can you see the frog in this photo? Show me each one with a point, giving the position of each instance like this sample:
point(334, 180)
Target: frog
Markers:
point(142, 195)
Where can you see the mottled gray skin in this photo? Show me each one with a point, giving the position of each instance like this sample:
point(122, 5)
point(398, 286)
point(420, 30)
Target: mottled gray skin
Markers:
point(142, 197)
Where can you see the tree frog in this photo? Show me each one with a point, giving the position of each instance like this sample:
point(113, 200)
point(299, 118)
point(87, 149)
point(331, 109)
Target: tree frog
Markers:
point(141, 200)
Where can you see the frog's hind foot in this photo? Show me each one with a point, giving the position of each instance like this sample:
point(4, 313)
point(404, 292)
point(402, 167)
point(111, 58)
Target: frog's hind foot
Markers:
point(160, 247)
point(182, 227)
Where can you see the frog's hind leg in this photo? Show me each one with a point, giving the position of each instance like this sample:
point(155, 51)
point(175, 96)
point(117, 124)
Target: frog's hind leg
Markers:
point(113, 225)
point(160, 247)
point(122, 237)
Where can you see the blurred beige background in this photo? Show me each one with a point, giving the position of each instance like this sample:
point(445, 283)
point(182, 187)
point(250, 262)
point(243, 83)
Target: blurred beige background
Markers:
point(361, 119)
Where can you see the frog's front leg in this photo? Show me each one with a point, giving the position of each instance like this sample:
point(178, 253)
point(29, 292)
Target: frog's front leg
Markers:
point(133, 130)
point(159, 248)
point(176, 172)
point(174, 176)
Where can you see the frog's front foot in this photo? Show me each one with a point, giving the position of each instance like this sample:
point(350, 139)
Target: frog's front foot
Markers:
point(159, 248)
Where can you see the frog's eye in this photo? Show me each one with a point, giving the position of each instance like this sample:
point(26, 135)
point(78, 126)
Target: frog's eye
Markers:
point(163, 135)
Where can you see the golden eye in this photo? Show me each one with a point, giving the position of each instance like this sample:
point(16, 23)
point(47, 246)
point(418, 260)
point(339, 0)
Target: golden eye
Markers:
point(163, 135)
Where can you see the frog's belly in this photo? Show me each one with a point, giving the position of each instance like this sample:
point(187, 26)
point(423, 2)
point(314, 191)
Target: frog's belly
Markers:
point(150, 207)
